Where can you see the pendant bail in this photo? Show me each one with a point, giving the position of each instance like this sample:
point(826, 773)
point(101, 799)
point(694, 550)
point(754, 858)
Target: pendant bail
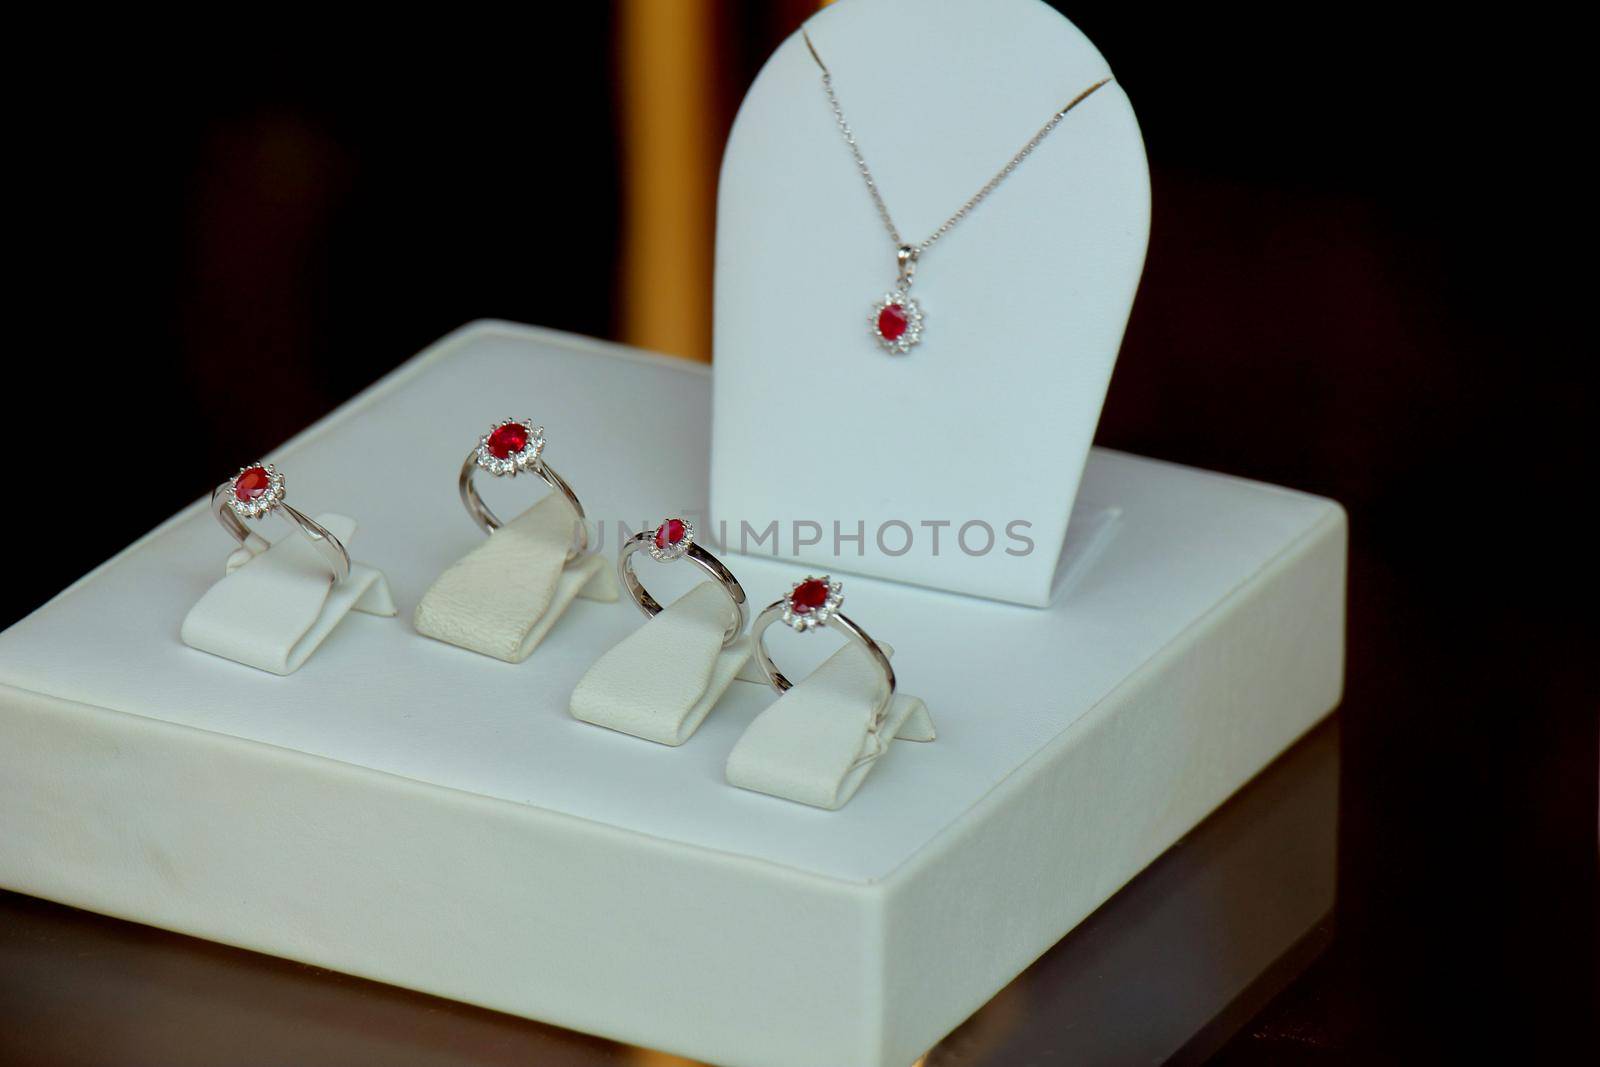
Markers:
point(907, 257)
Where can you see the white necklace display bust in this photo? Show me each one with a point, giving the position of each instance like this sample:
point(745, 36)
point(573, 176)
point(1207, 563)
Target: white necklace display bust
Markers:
point(988, 421)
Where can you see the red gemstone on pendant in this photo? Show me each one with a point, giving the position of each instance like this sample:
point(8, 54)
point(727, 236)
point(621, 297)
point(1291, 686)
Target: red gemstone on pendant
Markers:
point(669, 533)
point(892, 322)
point(808, 596)
point(251, 484)
point(506, 441)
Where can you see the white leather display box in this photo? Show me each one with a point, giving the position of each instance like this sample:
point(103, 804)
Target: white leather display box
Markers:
point(415, 813)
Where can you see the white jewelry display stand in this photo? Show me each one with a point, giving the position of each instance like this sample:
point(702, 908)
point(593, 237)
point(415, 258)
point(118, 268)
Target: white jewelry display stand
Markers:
point(812, 746)
point(503, 597)
point(275, 604)
point(533, 864)
point(989, 420)
point(661, 681)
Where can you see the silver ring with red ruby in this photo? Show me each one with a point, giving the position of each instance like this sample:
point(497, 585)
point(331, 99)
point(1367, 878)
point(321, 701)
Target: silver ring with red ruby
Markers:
point(513, 447)
point(674, 540)
point(256, 492)
point(811, 603)
point(897, 322)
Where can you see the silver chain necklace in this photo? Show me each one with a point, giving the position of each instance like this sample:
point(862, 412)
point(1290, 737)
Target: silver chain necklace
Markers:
point(896, 319)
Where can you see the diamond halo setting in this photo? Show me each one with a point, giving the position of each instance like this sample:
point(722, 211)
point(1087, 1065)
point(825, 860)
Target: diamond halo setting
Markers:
point(255, 491)
point(510, 447)
point(812, 602)
point(671, 540)
point(896, 322)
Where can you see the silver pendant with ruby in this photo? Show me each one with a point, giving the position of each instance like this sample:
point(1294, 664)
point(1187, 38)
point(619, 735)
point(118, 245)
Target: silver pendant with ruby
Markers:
point(897, 319)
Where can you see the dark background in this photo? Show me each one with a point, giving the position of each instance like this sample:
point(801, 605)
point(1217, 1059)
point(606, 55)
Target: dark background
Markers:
point(227, 230)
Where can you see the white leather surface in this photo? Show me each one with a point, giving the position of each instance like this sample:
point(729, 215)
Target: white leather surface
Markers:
point(505, 595)
point(1025, 301)
point(661, 681)
point(805, 746)
point(1201, 635)
point(274, 605)
point(1006, 680)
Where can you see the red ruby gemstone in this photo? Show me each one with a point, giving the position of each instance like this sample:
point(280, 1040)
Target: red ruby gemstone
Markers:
point(808, 596)
point(892, 322)
point(669, 533)
point(508, 440)
point(251, 484)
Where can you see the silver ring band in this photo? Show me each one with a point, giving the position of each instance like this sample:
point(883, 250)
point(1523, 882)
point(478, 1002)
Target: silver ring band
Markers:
point(647, 540)
point(228, 513)
point(819, 615)
point(489, 522)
